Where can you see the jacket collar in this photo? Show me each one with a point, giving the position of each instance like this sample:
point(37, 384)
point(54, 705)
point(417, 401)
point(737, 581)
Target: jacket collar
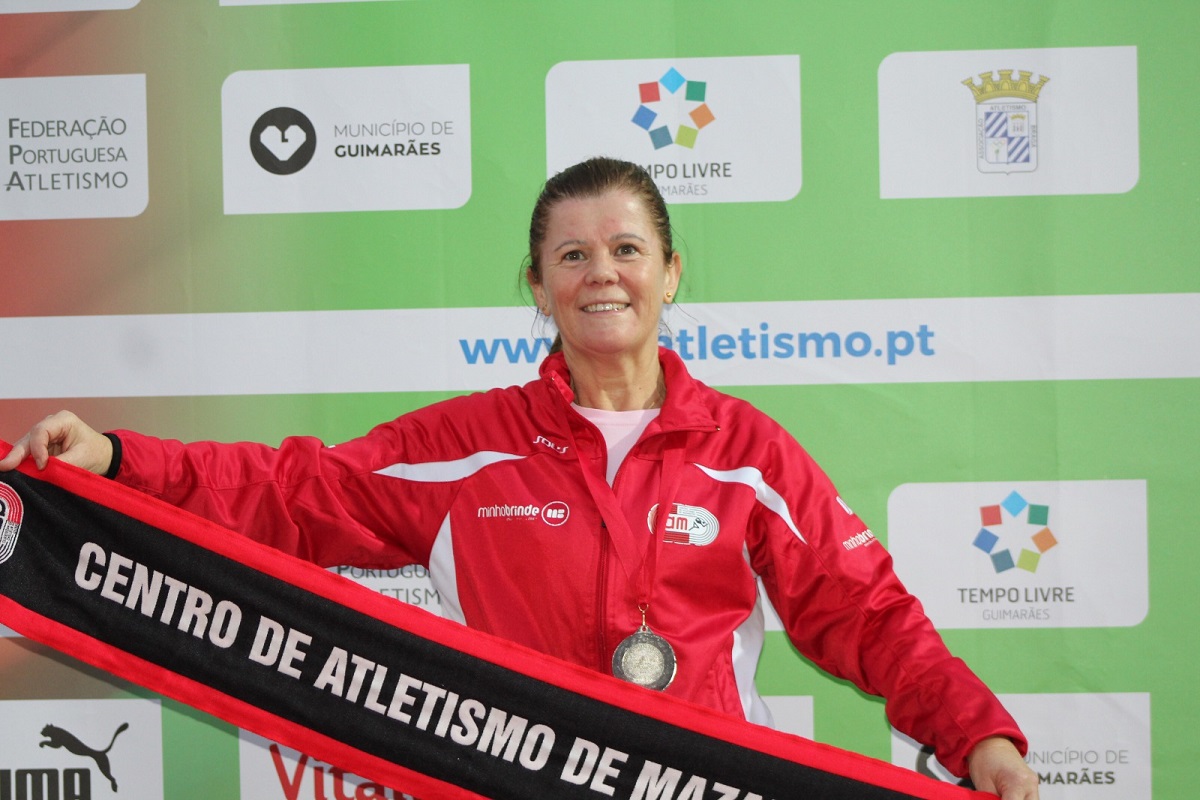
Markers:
point(683, 410)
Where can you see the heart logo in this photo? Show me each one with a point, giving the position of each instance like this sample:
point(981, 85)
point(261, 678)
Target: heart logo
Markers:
point(283, 144)
point(283, 141)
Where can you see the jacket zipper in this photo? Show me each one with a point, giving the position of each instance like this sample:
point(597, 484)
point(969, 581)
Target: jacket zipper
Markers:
point(602, 601)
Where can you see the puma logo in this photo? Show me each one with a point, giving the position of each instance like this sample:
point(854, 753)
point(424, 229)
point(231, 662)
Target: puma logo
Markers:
point(57, 737)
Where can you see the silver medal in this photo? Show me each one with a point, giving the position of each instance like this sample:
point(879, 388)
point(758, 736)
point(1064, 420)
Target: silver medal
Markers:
point(645, 658)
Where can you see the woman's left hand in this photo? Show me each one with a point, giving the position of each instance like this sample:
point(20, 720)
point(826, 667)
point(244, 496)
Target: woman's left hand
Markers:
point(996, 766)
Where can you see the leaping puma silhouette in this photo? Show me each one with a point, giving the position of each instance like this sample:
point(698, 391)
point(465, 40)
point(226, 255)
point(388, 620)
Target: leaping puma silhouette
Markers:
point(57, 737)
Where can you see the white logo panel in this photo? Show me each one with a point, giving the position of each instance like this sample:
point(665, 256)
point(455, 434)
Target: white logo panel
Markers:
point(709, 130)
point(791, 713)
point(353, 139)
point(74, 147)
point(1083, 746)
point(409, 584)
point(985, 123)
point(82, 748)
point(1047, 554)
point(38, 6)
point(270, 771)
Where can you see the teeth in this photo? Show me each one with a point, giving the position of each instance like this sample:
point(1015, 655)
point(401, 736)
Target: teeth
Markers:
point(605, 307)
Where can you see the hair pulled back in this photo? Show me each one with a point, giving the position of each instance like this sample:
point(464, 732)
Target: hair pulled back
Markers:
point(593, 178)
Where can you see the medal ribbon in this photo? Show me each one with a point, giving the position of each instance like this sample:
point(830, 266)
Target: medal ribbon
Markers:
point(630, 552)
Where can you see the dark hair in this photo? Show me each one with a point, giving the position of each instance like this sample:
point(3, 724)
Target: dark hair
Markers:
point(592, 178)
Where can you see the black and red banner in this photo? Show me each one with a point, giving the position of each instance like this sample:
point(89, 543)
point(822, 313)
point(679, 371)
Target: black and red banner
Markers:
point(297, 654)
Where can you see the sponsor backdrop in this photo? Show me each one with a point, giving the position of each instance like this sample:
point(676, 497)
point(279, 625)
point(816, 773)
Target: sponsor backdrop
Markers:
point(952, 250)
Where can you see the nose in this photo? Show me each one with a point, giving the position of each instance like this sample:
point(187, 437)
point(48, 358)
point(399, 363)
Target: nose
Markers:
point(602, 269)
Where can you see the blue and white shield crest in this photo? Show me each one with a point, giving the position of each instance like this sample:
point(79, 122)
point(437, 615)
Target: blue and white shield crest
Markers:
point(1006, 136)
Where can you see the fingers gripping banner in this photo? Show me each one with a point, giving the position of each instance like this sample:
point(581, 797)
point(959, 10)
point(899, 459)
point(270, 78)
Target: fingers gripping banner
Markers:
point(283, 648)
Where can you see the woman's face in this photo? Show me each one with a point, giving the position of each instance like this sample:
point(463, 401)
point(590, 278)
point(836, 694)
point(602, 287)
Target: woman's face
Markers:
point(604, 276)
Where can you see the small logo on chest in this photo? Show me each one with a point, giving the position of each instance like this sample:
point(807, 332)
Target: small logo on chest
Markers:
point(554, 513)
point(685, 524)
point(544, 442)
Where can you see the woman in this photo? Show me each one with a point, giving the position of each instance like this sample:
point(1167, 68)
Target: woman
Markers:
point(613, 432)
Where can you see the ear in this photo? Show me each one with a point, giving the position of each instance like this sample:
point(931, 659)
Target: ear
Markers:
point(674, 272)
point(539, 291)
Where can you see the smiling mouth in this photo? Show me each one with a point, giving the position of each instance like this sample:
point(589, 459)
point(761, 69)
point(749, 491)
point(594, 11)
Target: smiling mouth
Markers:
point(605, 307)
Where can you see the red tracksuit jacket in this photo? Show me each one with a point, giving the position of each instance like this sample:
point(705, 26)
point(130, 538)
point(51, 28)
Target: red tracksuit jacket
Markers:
point(487, 491)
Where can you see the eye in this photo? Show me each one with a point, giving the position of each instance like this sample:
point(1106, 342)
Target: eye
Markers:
point(573, 255)
point(627, 250)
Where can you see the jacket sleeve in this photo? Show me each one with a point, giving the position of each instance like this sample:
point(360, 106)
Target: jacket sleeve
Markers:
point(843, 606)
point(320, 503)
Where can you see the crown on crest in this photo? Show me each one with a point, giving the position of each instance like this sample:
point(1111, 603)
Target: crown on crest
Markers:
point(1006, 86)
